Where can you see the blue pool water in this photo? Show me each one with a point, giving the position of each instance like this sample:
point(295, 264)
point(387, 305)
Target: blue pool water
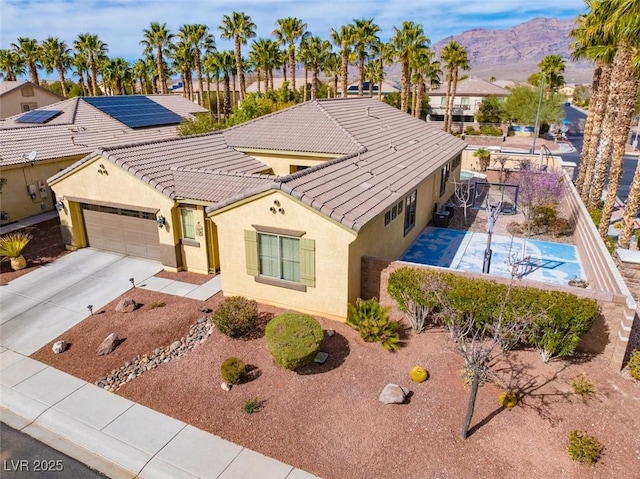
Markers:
point(544, 261)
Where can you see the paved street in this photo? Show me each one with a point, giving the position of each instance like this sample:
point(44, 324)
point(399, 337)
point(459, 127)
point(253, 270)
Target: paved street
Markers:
point(23, 457)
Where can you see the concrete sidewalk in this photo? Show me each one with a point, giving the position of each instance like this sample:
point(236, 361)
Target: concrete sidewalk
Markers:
point(103, 430)
point(116, 436)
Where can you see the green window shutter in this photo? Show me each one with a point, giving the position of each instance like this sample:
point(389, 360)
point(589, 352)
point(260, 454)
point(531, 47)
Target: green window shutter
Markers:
point(251, 252)
point(308, 262)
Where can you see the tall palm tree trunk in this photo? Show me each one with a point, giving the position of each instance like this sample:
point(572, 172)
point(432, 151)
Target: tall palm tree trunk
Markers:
point(198, 66)
point(218, 99)
point(344, 68)
point(161, 80)
point(446, 108)
point(62, 79)
point(404, 92)
point(452, 99)
point(419, 95)
point(629, 91)
point(314, 80)
point(243, 90)
point(589, 151)
point(588, 127)
point(361, 76)
point(292, 68)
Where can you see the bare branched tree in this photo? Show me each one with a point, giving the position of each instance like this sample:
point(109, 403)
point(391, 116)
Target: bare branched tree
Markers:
point(462, 194)
point(479, 344)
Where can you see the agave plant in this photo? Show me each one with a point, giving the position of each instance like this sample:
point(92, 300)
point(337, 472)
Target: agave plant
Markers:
point(12, 245)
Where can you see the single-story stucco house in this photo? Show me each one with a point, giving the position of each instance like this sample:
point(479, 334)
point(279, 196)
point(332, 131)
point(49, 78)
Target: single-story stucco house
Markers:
point(285, 206)
point(37, 144)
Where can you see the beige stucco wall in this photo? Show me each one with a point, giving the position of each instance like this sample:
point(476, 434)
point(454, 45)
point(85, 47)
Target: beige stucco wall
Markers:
point(281, 164)
point(15, 199)
point(390, 242)
point(118, 187)
point(330, 295)
point(11, 102)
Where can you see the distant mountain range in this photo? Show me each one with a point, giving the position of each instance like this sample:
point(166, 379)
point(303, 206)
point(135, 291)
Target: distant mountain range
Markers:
point(514, 53)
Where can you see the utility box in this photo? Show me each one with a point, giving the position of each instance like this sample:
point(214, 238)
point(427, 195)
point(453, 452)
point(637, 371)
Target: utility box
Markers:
point(441, 219)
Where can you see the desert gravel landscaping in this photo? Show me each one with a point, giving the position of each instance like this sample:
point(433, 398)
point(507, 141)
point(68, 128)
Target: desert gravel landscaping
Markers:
point(327, 418)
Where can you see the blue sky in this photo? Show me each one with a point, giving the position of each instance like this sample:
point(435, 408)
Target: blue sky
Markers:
point(119, 23)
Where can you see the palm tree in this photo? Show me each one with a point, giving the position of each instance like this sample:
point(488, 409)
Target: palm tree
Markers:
point(117, 75)
point(332, 70)
point(290, 30)
point(594, 44)
point(343, 39)
point(552, 67)
point(455, 57)
point(425, 71)
point(31, 53)
point(81, 66)
point(261, 56)
point(374, 74)
point(56, 55)
point(365, 37)
point(624, 22)
point(226, 62)
point(318, 51)
point(240, 28)
point(142, 71)
point(406, 41)
point(385, 54)
point(94, 50)
point(182, 61)
point(199, 38)
point(213, 66)
point(11, 65)
point(158, 37)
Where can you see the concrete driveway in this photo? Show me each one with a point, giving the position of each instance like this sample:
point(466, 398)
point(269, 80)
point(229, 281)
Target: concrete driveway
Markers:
point(39, 306)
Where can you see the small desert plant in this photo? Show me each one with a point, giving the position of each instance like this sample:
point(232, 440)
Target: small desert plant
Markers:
point(13, 244)
point(484, 158)
point(293, 339)
point(634, 364)
point(236, 316)
point(233, 371)
point(583, 387)
point(583, 448)
point(508, 399)
point(419, 374)
point(372, 321)
point(157, 304)
point(251, 406)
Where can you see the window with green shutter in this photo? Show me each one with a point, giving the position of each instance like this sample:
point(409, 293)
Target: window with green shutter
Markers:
point(281, 257)
point(188, 224)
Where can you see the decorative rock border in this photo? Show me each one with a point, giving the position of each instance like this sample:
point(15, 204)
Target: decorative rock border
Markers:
point(198, 333)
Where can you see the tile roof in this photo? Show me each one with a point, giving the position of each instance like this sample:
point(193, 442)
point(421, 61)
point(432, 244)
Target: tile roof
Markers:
point(216, 186)
point(156, 162)
point(304, 127)
point(79, 130)
point(9, 86)
point(472, 86)
point(399, 152)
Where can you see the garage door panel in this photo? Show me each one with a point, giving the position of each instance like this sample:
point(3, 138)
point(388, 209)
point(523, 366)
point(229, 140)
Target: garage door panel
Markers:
point(122, 234)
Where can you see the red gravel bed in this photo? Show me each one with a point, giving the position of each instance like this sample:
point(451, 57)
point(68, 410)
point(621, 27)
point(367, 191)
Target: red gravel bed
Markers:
point(327, 419)
point(186, 277)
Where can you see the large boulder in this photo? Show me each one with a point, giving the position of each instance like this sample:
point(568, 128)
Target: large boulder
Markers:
point(59, 347)
point(393, 394)
point(108, 345)
point(126, 305)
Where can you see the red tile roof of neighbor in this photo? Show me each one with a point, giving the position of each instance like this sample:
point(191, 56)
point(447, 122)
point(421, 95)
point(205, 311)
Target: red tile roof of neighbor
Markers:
point(382, 154)
point(81, 129)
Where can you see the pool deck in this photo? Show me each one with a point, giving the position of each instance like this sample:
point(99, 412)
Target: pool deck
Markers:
point(554, 263)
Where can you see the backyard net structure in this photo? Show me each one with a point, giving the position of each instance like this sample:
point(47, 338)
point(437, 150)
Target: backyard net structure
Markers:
point(502, 195)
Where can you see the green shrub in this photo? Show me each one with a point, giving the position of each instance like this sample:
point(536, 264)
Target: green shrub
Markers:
point(508, 399)
point(561, 227)
point(491, 131)
point(596, 215)
point(542, 216)
point(634, 364)
point(470, 130)
point(233, 371)
point(293, 339)
point(251, 406)
point(583, 448)
point(405, 286)
point(583, 387)
point(11, 245)
point(157, 304)
point(236, 316)
point(372, 321)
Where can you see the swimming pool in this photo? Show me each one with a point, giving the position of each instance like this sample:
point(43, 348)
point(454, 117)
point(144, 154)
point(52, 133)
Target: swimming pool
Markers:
point(554, 263)
point(466, 175)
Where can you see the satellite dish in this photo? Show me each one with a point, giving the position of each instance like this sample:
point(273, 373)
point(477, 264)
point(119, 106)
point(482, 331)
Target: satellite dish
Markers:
point(32, 155)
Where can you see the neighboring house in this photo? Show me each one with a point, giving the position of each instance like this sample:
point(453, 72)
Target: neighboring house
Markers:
point(469, 94)
point(37, 144)
point(22, 96)
point(285, 205)
point(568, 89)
point(277, 83)
point(352, 88)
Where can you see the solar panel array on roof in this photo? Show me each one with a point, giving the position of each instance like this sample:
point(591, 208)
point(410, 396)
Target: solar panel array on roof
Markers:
point(38, 116)
point(135, 111)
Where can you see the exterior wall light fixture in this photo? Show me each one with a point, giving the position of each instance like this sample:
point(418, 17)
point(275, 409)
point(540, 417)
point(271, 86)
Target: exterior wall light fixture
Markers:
point(161, 220)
